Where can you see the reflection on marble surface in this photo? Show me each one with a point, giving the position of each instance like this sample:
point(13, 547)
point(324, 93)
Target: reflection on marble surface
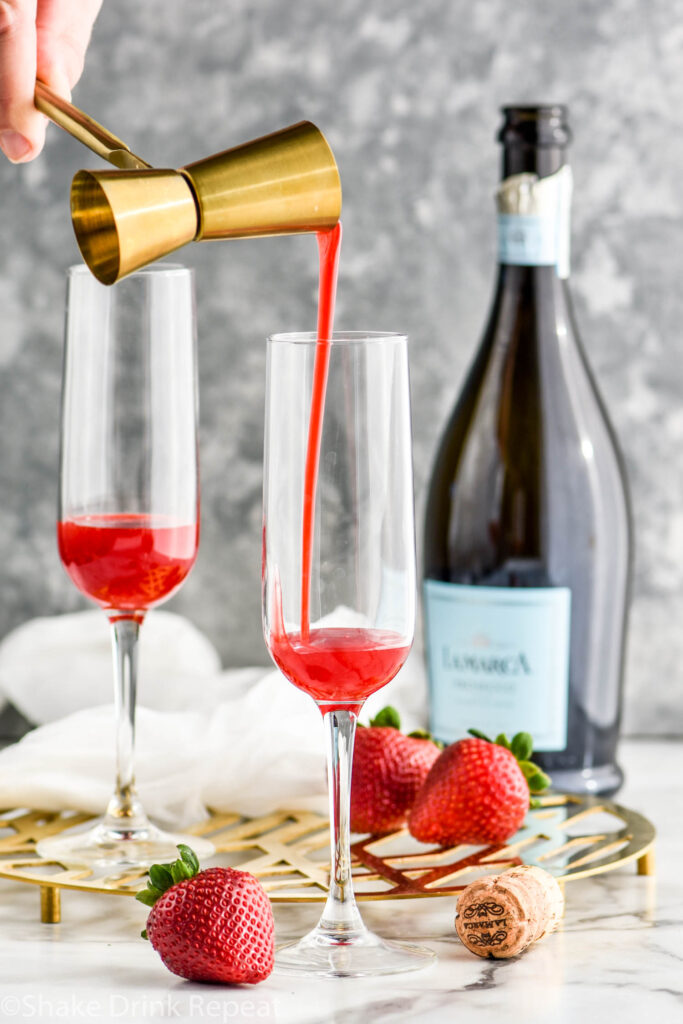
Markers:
point(408, 95)
point(619, 952)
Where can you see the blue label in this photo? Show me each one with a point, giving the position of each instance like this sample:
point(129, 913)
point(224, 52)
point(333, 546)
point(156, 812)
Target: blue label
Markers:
point(527, 240)
point(498, 661)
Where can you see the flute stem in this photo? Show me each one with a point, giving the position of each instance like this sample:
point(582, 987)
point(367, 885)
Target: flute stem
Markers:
point(341, 916)
point(124, 812)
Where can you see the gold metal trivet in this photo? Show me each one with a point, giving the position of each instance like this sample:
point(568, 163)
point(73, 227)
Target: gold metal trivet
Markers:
point(571, 837)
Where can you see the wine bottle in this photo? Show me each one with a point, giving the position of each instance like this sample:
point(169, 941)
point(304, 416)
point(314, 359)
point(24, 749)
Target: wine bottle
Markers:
point(527, 544)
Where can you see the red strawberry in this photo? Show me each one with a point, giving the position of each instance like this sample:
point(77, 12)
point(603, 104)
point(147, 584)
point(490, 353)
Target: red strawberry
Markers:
point(214, 925)
point(477, 791)
point(388, 770)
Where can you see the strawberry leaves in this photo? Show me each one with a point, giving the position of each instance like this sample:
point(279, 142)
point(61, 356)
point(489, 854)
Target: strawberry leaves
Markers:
point(149, 896)
point(388, 717)
point(189, 857)
point(536, 779)
point(163, 876)
point(479, 735)
point(521, 746)
point(160, 877)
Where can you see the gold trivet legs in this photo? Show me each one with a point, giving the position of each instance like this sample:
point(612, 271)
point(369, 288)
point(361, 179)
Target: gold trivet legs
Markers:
point(50, 904)
point(647, 864)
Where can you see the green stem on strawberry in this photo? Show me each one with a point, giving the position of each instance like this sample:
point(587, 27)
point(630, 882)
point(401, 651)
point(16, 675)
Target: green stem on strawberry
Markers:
point(521, 746)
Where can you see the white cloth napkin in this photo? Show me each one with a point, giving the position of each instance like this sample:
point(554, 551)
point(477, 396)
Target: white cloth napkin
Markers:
point(244, 740)
point(51, 667)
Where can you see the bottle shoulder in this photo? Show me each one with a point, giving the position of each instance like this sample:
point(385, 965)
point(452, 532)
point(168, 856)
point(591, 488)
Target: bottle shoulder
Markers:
point(529, 431)
point(530, 364)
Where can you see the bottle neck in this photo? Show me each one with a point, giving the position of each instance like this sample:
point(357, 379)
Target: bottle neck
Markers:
point(519, 158)
point(534, 210)
point(522, 293)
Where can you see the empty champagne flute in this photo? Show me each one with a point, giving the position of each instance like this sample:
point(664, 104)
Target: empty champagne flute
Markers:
point(128, 527)
point(339, 579)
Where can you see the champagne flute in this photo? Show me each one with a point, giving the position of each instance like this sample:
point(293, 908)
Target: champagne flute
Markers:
point(339, 579)
point(128, 527)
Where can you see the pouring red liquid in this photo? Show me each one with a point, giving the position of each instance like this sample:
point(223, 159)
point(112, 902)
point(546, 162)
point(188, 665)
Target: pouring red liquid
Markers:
point(329, 245)
point(338, 667)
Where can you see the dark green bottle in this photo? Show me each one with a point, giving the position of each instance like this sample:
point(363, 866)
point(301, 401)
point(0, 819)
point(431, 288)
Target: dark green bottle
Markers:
point(527, 544)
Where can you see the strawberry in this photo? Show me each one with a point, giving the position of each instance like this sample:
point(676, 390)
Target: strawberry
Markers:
point(388, 770)
point(213, 925)
point(477, 791)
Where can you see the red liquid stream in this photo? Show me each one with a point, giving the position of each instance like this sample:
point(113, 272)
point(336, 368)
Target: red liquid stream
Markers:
point(329, 243)
point(340, 667)
point(127, 562)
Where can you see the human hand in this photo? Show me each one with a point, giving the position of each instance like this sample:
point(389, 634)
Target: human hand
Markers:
point(44, 39)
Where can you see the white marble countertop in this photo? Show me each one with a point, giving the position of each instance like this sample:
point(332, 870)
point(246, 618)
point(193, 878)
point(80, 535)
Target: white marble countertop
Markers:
point(619, 951)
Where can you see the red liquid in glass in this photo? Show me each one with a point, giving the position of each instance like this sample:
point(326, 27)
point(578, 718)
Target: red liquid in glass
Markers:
point(129, 563)
point(340, 666)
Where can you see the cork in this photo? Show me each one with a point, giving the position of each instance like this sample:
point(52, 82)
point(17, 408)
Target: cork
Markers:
point(553, 896)
point(502, 915)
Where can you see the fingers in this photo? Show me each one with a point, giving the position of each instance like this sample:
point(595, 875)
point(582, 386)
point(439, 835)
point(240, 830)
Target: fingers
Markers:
point(22, 128)
point(43, 38)
point(63, 33)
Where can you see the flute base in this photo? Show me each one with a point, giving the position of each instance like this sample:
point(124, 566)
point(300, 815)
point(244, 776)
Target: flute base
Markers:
point(356, 954)
point(107, 846)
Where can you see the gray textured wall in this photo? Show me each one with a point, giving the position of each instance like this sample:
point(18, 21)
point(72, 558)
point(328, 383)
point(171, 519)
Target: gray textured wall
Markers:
point(408, 96)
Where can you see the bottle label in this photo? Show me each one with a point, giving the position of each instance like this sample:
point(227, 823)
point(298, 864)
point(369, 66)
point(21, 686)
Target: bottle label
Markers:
point(533, 220)
point(498, 661)
point(526, 240)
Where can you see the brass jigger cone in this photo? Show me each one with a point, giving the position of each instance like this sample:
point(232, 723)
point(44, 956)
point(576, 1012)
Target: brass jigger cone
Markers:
point(284, 183)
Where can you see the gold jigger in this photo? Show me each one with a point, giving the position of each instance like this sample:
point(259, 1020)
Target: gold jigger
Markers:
point(281, 184)
point(126, 219)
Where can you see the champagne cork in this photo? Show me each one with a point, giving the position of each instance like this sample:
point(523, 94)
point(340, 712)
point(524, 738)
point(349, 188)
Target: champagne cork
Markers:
point(553, 896)
point(501, 915)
